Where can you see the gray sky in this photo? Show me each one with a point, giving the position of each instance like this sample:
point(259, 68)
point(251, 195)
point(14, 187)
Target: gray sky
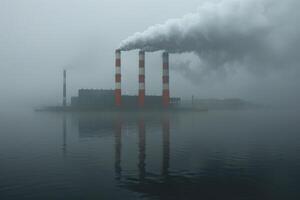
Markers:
point(39, 38)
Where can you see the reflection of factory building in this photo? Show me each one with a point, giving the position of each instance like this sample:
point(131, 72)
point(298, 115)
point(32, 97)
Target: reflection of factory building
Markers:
point(172, 184)
point(90, 125)
point(98, 125)
point(168, 182)
point(106, 98)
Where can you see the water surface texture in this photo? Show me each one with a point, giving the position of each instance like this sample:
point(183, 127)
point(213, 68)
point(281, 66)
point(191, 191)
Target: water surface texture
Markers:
point(251, 154)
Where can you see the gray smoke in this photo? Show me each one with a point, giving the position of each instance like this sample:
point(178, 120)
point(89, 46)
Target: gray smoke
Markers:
point(258, 34)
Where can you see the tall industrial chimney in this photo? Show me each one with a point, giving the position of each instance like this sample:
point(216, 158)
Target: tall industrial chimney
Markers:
point(165, 77)
point(118, 92)
point(65, 89)
point(141, 79)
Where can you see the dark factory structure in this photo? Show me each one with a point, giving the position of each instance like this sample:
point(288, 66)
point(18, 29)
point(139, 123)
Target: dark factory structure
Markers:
point(113, 99)
point(101, 99)
point(97, 98)
point(143, 101)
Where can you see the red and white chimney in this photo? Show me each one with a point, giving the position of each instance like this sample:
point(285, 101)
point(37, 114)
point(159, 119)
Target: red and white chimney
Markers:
point(141, 99)
point(165, 78)
point(118, 92)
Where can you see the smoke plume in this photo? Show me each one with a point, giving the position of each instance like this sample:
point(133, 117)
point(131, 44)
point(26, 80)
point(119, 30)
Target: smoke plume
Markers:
point(258, 34)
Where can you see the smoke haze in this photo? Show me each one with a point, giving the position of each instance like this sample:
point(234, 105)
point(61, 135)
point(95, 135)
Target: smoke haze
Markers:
point(256, 34)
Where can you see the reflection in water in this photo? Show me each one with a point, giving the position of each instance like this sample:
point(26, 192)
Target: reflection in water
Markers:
point(142, 149)
point(166, 146)
point(146, 181)
point(176, 184)
point(118, 146)
point(212, 169)
point(64, 124)
point(215, 155)
point(95, 125)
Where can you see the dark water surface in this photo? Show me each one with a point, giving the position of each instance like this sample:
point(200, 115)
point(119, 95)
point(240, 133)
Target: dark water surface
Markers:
point(211, 155)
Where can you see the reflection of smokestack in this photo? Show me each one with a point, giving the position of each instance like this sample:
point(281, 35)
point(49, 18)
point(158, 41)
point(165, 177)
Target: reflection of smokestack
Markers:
point(65, 89)
point(142, 149)
point(166, 93)
point(141, 78)
point(118, 92)
point(118, 145)
point(166, 146)
point(64, 133)
point(193, 100)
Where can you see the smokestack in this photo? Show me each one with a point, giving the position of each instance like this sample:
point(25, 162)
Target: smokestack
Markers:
point(118, 92)
point(165, 77)
point(141, 79)
point(64, 89)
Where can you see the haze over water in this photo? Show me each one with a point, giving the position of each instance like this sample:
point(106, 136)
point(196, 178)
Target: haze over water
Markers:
point(246, 154)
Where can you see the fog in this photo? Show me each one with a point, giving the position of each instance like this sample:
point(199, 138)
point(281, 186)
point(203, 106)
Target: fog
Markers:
point(40, 38)
point(231, 149)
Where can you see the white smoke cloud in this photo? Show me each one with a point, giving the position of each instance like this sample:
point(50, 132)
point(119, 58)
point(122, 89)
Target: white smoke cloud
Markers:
point(258, 34)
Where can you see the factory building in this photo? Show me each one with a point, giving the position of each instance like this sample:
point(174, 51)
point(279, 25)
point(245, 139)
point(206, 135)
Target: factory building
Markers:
point(106, 99)
point(99, 98)
point(143, 101)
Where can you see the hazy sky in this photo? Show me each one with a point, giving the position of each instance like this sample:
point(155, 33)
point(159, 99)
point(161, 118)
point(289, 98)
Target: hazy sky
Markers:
point(39, 38)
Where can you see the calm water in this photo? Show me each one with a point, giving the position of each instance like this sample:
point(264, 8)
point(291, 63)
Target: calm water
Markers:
point(210, 155)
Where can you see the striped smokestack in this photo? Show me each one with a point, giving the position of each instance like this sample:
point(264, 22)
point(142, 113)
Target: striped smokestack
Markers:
point(118, 92)
point(141, 79)
point(165, 77)
point(64, 89)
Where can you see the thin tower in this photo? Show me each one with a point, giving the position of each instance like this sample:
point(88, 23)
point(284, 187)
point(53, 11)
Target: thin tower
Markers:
point(65, 89)
point(118, 92)
point(141, 79)
point(165, 78)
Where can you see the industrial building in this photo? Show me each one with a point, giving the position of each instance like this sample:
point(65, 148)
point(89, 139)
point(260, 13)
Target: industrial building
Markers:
point(103, 99)
point(106, 99)
point(143, 101)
